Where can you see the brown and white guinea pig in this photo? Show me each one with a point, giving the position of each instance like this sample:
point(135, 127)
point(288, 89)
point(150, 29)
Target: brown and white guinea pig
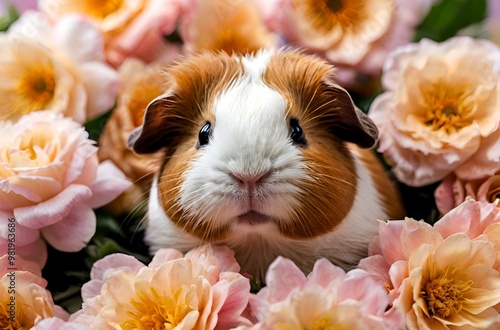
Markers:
point(263, 153)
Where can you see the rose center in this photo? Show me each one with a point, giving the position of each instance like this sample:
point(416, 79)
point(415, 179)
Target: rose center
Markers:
point(447, 107)
point(335, 5)
point(325, 16)
point(444, 294)
point(37, 88)
point(494, 195)
point(102, 8)
point(152, 311)
point(6, 321)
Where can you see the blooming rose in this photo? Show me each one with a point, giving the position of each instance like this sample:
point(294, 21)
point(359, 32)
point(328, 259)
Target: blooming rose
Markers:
point(440, 281)
point(50, 180)
point(453, 191)
point(201, 290)
point(56, 67)
point(30, 302)
point(352, 34)
point(441, 110)
point(131, 28)
point(141, 84)
point(232, 26)
point(327, 299)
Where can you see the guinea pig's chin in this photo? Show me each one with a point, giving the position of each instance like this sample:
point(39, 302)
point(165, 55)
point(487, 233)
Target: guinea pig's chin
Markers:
point(253, 218)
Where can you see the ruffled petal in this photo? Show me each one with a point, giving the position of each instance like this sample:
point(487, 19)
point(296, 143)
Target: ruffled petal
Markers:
point(74, 231)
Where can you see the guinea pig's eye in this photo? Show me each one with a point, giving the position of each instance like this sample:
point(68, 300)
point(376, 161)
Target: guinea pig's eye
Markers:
point(204, 134)
point(297, 134)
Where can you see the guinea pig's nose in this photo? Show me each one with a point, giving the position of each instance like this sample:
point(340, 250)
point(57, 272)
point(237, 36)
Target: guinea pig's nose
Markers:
point(250, 178)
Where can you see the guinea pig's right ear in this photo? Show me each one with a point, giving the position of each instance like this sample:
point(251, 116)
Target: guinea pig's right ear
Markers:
point(157, 130)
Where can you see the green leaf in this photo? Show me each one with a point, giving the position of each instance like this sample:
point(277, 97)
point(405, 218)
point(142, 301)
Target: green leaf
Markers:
point(447, 17)
point(11, 16)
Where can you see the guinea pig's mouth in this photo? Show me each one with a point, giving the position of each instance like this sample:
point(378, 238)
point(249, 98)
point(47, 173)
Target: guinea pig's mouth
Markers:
point(253, 218)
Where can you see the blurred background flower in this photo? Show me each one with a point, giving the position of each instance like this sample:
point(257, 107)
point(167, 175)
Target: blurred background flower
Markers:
point(133, 28)
point(57, 67)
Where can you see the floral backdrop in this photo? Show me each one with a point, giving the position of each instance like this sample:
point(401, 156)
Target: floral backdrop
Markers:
point(75, 78)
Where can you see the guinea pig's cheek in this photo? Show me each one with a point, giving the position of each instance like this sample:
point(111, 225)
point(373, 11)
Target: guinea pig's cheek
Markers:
point(326, 198)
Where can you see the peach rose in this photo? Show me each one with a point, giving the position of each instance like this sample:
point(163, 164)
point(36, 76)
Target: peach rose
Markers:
point(24, 301)
point(441, 110)
point(201, 290)
point(444, 277)
point(56, 67)
point(232, 26)
point(355, 35)
point(50, 180)
point(141, 84)
point(131, 28)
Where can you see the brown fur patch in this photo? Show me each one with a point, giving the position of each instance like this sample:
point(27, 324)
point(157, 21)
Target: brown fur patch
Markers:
point(329, 196)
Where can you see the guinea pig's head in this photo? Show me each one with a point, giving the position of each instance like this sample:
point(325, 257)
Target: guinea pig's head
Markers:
point(253, 141)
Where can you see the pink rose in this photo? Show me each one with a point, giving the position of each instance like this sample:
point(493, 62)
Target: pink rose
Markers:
point(440, 112)
point(201, 290)
point(327, 298)
point(50, 181)
point(130, 28)
point(453, 191)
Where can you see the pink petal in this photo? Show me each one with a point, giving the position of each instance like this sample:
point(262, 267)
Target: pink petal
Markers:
point(485, 162)
point(110, 182)
point(448, 193)
point(102, 83)
point(416, 233)
point(113, 262)
point(234, 304)
point(74, 231)
point(164, 255)
point(20, 264)
point(324, 273)
point(20, 234)
point(82, 168)
point(462, 218)
point(91, 289)
point(81, 40)
point(359, 286)
point(35, 252)
point(53, 323)
point(53, 210)
point(282, 277)
point(377, 267)
point(390, 240)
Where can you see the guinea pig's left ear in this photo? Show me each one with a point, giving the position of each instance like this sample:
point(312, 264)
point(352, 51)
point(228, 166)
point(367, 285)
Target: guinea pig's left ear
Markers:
point(349, 123)
point(162, 127)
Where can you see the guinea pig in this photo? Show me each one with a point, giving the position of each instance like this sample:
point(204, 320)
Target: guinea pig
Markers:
point(266, 154)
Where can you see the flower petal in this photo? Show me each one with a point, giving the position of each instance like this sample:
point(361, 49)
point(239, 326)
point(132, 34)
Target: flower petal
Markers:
point(81, 40)
point(282, 277)
point(53, 210)
point(110, 182)
point(74, 231)
point(102, 83)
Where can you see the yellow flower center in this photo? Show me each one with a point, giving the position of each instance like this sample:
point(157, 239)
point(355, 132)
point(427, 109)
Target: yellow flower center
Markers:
point(102, 8)
point(324, 15)
point(326, 323)
point(36, 88)
point(444, 294)
point(6, 322)
point(448, 107)
point(153, 311)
